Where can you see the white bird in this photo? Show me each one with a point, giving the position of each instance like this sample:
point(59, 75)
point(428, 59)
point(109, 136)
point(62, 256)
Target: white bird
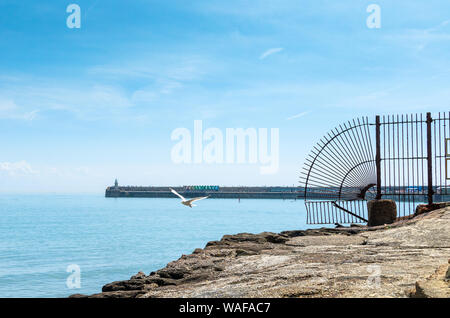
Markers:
point(187, 202)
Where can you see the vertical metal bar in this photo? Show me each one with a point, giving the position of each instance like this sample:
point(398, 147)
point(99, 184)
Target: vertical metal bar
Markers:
point(378, 156)
point(445, 155)
point(412, 162)
point(321, 213)
point(352, 207)
point(403, 165)
point(389, 153)
point(307, 213)
point(417, 156)
point(313, 214)
point(433, 149)
point(394, 178)
point(429, 160)
point(384, 154)
point(337, 214)
point(444, 179)
point(421, 156)
point(407, 164)
point(398, 165)
point(346, 214)
point(439, 182)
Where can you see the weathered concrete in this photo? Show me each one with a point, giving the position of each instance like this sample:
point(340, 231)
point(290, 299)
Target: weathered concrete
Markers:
point(383, 261)
point(425, 208)
point(435, 286)
point(381, 212)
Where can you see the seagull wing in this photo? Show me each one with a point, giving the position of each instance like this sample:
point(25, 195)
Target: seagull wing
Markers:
point(197, 199)
point(179, 195)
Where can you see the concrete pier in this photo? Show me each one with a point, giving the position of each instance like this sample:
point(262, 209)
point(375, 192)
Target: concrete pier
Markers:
point(214, 193)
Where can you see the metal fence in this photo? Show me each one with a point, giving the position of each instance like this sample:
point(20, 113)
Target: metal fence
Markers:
point(399, 157)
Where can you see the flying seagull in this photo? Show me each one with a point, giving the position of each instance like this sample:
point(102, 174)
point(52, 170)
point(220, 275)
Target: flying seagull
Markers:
point(187, 202)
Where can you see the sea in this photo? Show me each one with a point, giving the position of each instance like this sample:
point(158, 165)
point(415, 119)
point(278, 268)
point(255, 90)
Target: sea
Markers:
point(55, 245)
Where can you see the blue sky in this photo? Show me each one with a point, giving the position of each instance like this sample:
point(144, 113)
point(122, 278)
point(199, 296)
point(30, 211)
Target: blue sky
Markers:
point(80, 107)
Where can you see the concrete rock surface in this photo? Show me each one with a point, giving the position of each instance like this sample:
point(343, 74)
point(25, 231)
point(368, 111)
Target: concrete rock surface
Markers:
point(403, 259)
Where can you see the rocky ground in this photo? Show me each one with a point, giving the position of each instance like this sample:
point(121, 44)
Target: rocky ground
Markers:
point(405, 259)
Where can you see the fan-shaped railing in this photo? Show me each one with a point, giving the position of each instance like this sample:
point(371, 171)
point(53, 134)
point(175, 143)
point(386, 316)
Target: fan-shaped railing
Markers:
point(340, 174)
point(405, 158)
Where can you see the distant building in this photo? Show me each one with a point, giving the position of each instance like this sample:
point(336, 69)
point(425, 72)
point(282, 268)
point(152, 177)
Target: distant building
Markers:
point(116, 184)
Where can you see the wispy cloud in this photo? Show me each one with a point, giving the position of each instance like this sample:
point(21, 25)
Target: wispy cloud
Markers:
point(26, 99)
point(419, 39)
point(69, 172)
point(168, 68)
point(298, 115)
point(105, 91)
point(10, 110)
point(17, 168)
point(270, 52)
point(438, 27)
point(89, 9)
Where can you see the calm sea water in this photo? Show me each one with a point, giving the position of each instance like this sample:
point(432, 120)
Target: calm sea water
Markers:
point(113, 238)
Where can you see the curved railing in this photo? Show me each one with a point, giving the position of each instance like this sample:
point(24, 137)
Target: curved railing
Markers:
point(341, 168)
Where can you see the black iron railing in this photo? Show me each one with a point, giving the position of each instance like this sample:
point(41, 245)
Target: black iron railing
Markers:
point(401, 157)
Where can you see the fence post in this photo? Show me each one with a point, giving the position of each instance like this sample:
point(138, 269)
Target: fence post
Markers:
point(429, 160)
point(378, 156)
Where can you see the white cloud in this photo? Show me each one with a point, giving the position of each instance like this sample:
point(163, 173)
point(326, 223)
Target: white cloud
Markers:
point(69, 172)
point(438, 27)
point(270, 52)
point(106, 96)
point(105, 93)
point(298, 115)
point(31, 115)
point(144, 96)
point(162, 68)
point(25, 100)
point(419, 39)
point(17, 168)
point(7, 105)
point(10, 110)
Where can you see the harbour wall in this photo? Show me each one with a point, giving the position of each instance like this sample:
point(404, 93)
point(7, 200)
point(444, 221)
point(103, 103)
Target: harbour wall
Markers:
point(291, 193)
point(222, 193)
